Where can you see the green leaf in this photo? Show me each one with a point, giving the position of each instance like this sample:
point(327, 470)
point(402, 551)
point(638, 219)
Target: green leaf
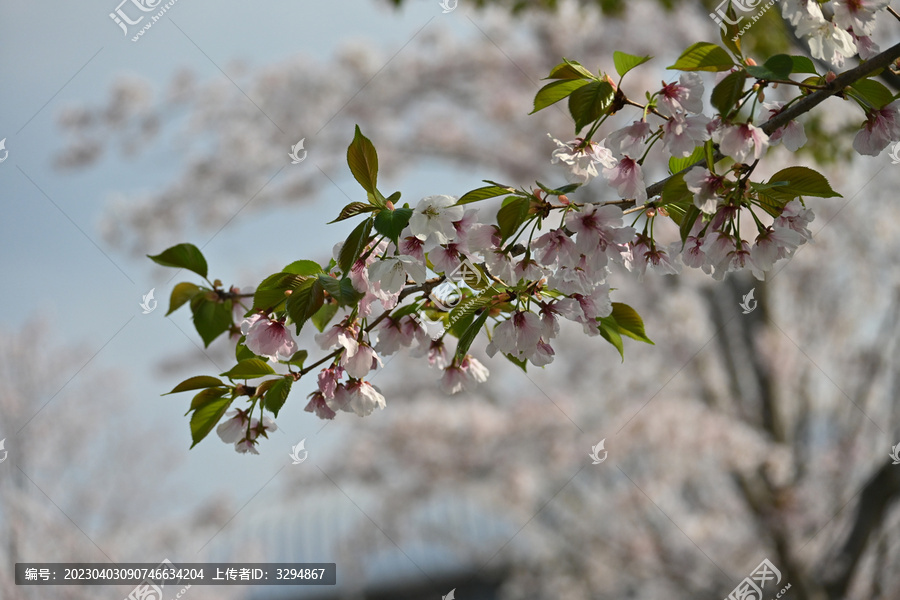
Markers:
point(704, 56)
point(363, 161)
point(727, 93)
point(376, 199)
point(626, 62)
point(511, 216)
point(303, 267)
point(181, 293)
point(589, 102)
point(675, 191)
point(182, 256)
point(271, 292)
point(324, 315)
point(676, 212)
point(678, 163)
point(211, 318)
point(800, 181)
point(569, 69)
point(687, 222)
point(341, 290)
point(353, 209)
point(305, 301)
point(779, 66)
point(354, 245)
point(729, 35)
point(483, 193)
point(554, 92)
point(241, 351)
point(250, 368)
point(565, 189)
point(609, 330)
point(469, 335)
point(390, 223)
point(206, 415)
point(770, 204)
point(206, 396)
point(802, 64)
point(874, 92)
point(277, 395)
point(298, 358)
point(629, 322)
point(196, 383)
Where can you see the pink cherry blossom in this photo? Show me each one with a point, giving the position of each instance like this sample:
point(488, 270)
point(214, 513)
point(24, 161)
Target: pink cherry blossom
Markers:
point(319, 406)
point(587, 308)
point(392, 271)
point(827, 41)
point(362, 398)
point(554, 246)
point(742, 142)
point(432, 220)
point(628, 140)
point(517, 336)
point(461, 375)
point(394, 334)
point(268, 337)
point(328, 380)
point(682, 133)
point(684, 96)
point(412, 246)
point(693, 255)
point(796, 217)
point(434, 349)
point(599, 228)
point(543, 354)
point(793, 134)
point(880, 129)
point(858, 15)
point(773, 244)
point(581, 158)
point(360, 362)
point(446, 259)
point(480, 238)
point(628, 179)
point(644, 253)
point(706, 188)
point(340, 335)
point(233, 429)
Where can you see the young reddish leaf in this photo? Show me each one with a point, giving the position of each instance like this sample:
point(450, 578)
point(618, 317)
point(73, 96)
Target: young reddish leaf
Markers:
point(363, 161)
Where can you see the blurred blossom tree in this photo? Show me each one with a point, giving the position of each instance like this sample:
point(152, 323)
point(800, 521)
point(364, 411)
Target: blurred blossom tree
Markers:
point(768, 439)
point(70, 490)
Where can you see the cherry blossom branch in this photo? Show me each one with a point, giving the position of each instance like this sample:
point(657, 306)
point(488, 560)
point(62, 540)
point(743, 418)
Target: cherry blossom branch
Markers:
point(805, 105)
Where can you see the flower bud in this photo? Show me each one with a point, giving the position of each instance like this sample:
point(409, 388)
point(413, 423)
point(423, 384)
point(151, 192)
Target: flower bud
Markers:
point(390, 205)
point(751, 62)
point(288, 292)
point(830, 76)
point(563, 199)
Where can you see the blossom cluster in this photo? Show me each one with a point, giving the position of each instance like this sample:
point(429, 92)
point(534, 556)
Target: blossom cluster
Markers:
point(544, 258)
